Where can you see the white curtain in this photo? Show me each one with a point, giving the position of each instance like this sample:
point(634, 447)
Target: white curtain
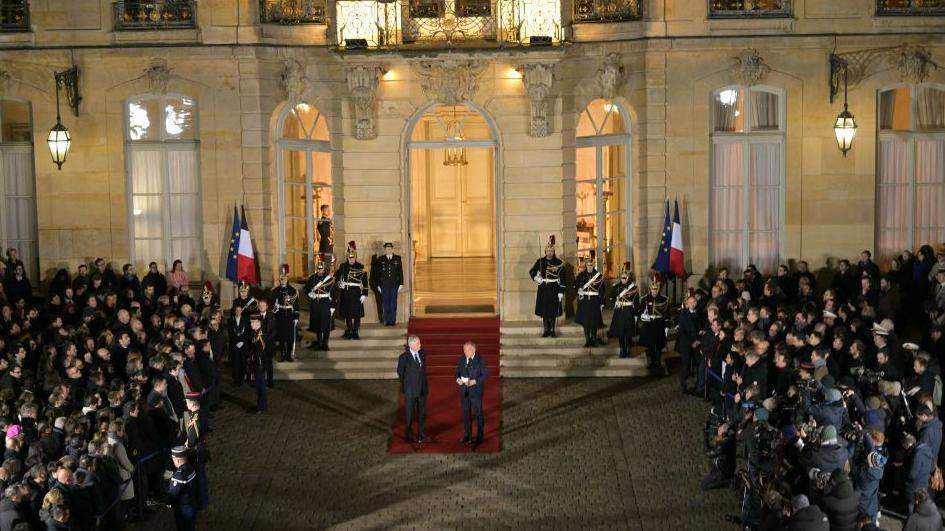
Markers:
point(893, 202)
point(19, 203)
point(728, 182)
point(184, 188)
point(764, 111)
point(727, 103)
point(147, 188)
point(764, 242)
point(930, 192)
point(887, 109)
point(930, 108)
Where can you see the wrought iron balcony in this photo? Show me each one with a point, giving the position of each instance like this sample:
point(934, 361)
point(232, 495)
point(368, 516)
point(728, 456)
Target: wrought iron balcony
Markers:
point(363, 24)
point(749, 8)
point(155, 14)
point(910, 7)
point(608, 10)
point(14, 15)
point(292, 12)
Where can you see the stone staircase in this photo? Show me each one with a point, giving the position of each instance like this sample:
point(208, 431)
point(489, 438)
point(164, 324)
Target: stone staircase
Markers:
point(373, 357)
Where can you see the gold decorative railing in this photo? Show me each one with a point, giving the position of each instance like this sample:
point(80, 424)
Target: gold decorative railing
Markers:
point(292, 12)
point(749, 8)
point(608, 10)
point(910, 7)
point(446, 23)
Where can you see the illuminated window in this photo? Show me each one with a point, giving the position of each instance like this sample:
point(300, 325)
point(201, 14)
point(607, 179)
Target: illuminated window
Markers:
point(17, 185)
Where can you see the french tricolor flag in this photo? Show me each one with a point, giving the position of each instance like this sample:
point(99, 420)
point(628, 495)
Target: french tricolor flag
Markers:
point(677, 262)
point(245, 260)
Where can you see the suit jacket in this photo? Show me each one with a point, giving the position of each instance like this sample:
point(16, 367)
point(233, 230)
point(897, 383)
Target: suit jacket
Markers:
point(474, 370)
point(413, 376)
point(239, 333)
point(270, 331)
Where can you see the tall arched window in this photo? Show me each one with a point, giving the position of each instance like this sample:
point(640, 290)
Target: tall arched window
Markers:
point(162, 154)
point(602, 194)
point(747, 197)
point(910, 176)
point(305, 186)
point(17, 184)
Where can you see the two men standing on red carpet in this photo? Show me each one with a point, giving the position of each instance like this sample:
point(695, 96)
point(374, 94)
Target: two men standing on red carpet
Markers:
point(412, 372)
point(471, 374)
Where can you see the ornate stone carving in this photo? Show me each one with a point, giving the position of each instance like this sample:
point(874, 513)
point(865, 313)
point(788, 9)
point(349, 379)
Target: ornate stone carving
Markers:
point(538, 79)
point(749, 68)
point(450, 81)
point(158, 74)
point(362, 85)
point(913, 63)
point(293, 81)
point(5, 78)
point(610, 76)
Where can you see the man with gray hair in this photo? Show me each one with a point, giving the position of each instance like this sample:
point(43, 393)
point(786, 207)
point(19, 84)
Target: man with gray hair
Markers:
point(412, 372)
point(10, 515)
point(471, 373)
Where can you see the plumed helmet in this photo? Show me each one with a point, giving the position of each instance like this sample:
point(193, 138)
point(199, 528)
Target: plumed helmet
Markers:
point(243, 288)
point(352, 249)
point(284, 272)
point(550, 246)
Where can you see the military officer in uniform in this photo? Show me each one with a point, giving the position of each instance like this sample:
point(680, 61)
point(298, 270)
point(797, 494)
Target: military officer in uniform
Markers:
point(547, 273)
point(654, 311)
point(245, 300)
point(351, 279)
point(195, 440)
point(182, 492)
point(326, 231)
point(239, 342)
point(321, 309)
point(256, 362)
point(590, 286)
point(390, 280)
point(287, 318)
point(623, 326)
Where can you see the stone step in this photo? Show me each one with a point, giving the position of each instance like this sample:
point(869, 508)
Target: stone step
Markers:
point(334, 374)
point(365, 343)
point(550, 342)
point(552, 361)
point(534, 328)
point(368, 330)
point(575, 372)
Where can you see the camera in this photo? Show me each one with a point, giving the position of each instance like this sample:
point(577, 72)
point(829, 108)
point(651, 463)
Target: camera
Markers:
point(819, 478)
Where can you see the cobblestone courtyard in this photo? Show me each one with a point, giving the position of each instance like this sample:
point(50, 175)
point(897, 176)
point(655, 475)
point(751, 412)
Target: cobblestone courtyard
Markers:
point(576, 454)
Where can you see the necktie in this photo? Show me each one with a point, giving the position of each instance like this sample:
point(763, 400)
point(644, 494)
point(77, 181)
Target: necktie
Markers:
point(416, 357)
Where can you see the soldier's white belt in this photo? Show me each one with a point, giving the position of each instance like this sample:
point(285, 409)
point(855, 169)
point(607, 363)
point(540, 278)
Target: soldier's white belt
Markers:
point(623, 304)
point(549, 280)
point(342, 284)
point(321, 296)
point(590, 293)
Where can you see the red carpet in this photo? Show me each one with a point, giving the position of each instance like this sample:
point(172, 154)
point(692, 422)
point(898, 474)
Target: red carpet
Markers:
point(442, 342)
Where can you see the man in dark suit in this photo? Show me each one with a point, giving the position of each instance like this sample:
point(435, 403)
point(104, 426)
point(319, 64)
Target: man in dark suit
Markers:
point(390, 280)
point(239, 343)
point(412, 371)
point(687, 342)
point(270, 333)
point(471, 374)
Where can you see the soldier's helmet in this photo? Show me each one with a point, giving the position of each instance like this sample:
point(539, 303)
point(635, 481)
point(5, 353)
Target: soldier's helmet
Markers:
point(352, 250)
point(589, 261)
point(284, 272)
point(550, 246)
point(320, 262)
point(625, 272)
point(243, 288)
point(207, 291)
point(654, 284)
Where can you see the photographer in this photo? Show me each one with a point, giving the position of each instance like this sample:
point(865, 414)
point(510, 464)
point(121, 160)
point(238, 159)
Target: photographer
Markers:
point(720, 449)
point(840, 502)
point(868, 473)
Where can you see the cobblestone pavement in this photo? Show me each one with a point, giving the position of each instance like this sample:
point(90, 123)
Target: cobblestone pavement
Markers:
point(577, 454)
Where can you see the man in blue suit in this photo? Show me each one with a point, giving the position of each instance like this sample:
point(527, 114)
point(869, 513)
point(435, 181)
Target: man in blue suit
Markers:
point(412, 371)
point(471, 374)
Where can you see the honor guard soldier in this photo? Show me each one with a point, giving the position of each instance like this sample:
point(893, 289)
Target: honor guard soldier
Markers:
point(590, 286)
point(287, 318)
point(207, 303)
point(547, 273)
point(255, 363)
point(321, 309)
point(623, 326)
point(195, 440)
point(249, 303)
point(390, 280)
point(654, 311)
point(352, 282)
point(182, 492)
point(326, 231)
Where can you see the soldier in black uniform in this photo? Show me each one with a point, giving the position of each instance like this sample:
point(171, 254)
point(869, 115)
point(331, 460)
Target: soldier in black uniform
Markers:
point(238, 331)
point(326, 231)
point(547, 273)
point(590, 286)
point(256, 362)
point(321, 309)
point(351, 279)
point(654, 311)
point(626, 297)
point(287, 318)
point(182, 492)
point(208, 302)
point(195, 440)
point(249, 303)
point(390, 280)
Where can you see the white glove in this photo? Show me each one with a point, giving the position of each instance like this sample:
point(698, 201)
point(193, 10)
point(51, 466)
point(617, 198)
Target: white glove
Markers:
point(560, 297)
point(666, 331)
point(400, 288)
point(239, 344)
point(601, 306)
point(538, 277)
point(363, 298)
point(581, 292)
point(332, 311)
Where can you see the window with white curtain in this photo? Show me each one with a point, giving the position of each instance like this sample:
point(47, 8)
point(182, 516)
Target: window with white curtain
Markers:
point(17, 184)
point(910, 175)
point(162, 153)
point(747, 198)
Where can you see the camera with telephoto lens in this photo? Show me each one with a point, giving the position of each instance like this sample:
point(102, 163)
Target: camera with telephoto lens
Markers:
point(819, 478)
point(864, 375)
point(812, 432)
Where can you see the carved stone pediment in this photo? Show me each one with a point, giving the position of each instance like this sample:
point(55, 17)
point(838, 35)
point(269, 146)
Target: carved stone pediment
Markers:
point(450, 81)
point(749, 68)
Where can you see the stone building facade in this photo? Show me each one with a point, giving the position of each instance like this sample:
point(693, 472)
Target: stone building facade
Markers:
point(663, 66)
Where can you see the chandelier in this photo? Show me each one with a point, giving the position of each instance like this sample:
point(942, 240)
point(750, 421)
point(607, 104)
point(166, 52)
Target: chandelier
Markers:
point(455, 156)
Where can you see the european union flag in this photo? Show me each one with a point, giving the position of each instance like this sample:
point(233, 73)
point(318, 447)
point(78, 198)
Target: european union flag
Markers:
point(666, 238)
point(234, 247)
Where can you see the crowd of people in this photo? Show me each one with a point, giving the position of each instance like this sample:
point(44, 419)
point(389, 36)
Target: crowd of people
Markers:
point(107, 390)
point(825, 390)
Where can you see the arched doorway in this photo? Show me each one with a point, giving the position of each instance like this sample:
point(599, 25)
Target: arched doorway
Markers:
point(452, 164)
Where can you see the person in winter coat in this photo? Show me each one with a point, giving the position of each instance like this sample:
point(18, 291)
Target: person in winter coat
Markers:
point(116, 443)
point(869, 473)
point(925, 516)
point(921, 463)
point(806, 517)
point(840, 502)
